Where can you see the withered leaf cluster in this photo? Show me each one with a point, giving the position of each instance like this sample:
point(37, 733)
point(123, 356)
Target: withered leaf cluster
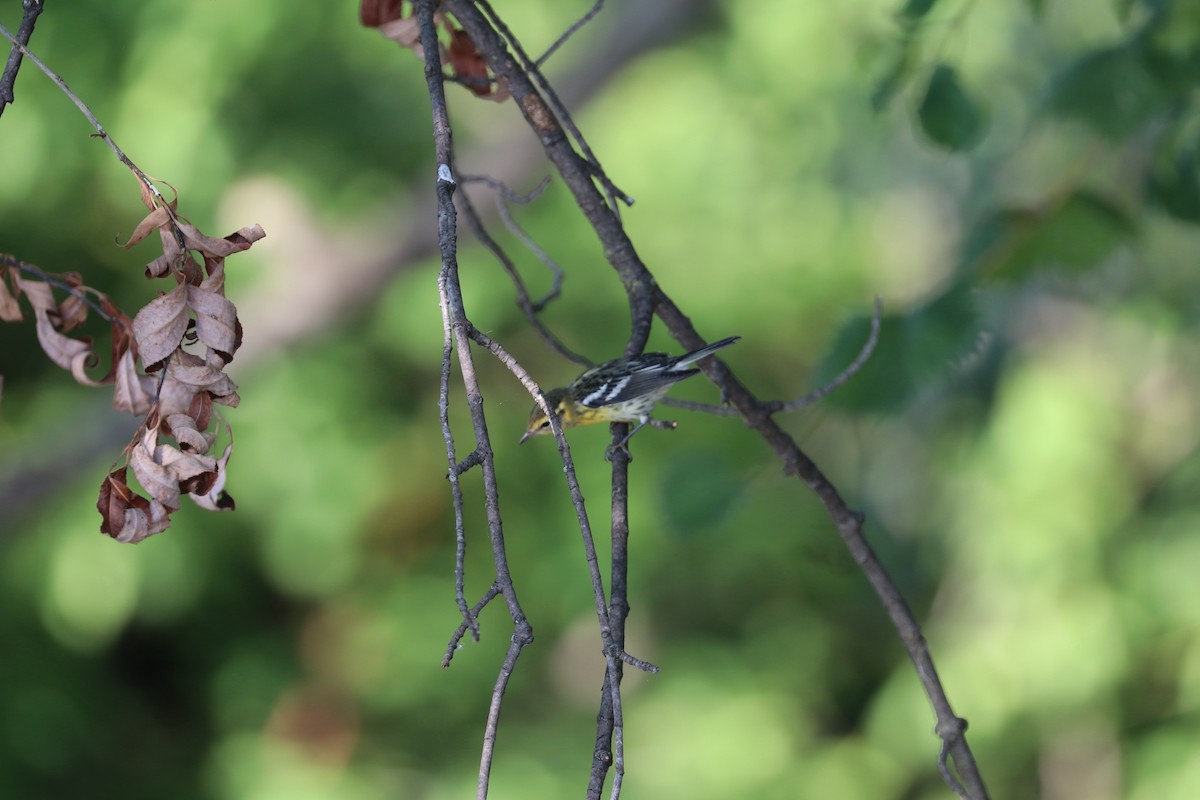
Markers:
point(183, 338)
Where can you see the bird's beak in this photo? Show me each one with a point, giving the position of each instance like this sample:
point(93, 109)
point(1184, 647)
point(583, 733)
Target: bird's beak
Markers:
point(526, 436)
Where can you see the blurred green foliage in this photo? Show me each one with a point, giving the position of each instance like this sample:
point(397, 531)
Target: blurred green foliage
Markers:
point(1024, 441)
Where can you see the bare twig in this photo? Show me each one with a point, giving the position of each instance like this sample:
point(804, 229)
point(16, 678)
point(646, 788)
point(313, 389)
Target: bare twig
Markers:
point(609, 749)
point(82, 292)
point(460, 536)
point(503, 195)
point(468, 622)
point(544, 120)
point(142, 177)
point(83, 108)
point(32, 10)
point(571, 31)
point(776, 406)
point(611, 190)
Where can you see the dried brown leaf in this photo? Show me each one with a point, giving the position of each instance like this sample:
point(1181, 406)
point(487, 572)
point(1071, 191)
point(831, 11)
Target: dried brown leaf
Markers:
point(157, 217)
point(115, 497)
point(160, 325)
point(125, 515)
point(156, 479)
point(373, 13)
point(122, 339)
point(200, 374)
point(200, 410)
point(216, 321)
point(468, 64)
point(10, 309)
point(132, 391)
point(247, 236)
point(165, 472)
point(216, 498)
point(73, 310)
point(231, 400)
point(405, 33)
point(174, 397)
point(70, 354)
point(210, 245)
point(38, 293)
point(187, 433)
point(141, 523)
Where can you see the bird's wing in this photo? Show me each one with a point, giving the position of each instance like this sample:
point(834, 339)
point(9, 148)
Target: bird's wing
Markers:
point(633, 384)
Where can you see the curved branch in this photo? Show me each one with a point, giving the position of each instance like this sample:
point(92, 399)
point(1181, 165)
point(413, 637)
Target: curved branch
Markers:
point(776, 406)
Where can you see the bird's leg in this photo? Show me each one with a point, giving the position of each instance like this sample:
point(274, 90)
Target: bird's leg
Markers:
point(661, 424)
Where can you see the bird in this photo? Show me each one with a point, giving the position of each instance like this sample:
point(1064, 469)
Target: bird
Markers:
point(621, 390)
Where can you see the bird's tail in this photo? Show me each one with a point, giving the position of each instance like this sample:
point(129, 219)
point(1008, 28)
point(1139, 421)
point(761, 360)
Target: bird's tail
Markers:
point(707, 350)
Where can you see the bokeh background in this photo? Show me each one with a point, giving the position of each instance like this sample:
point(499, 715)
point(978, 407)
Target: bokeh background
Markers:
point(1016, 180)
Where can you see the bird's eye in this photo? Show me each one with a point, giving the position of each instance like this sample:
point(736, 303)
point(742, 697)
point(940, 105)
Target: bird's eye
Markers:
point(545, 424)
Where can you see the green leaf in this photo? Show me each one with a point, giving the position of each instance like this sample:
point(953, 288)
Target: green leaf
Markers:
point(914, 351)
point(948, 115)
point(1110, 90)
point(1174, 185)
point(1077, 235)
point(913, 10)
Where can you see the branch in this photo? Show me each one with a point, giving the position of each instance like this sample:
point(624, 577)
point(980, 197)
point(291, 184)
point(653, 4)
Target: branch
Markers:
point(571, 31)
point(503, 195)
point(87, 112)
point(528, 307)
point(551, 123)
point(33, 10)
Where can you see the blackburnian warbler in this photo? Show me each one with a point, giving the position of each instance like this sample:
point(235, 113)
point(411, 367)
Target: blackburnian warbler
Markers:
point(621, 390)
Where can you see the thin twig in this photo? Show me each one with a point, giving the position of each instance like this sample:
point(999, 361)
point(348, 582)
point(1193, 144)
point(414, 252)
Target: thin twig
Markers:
point(32, 10)
point(78, 291)
point(849, 524)
point(571, 31)
point(504, 194)
point(460, 535)
point(863, 356)
point(543, 115)
point(87, 112)
point(468, 622)
point(523, 301)
point(776, 406)
point(612, 191)
point(609, 726)
point(143, 178)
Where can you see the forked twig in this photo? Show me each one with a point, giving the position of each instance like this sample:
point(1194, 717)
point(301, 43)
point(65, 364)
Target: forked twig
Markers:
point(775, 406)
